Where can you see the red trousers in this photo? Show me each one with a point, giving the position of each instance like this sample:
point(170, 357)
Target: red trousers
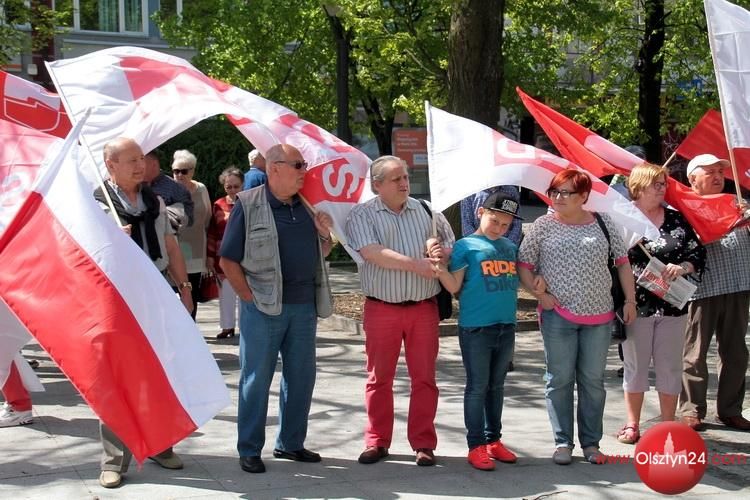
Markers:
point(386, 326)
point(14, 392)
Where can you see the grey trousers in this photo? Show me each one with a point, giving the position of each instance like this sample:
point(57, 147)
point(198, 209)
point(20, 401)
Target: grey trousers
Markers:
point(115, 455)
point(726, 316)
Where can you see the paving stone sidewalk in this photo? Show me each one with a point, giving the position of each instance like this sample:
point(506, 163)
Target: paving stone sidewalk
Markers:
point(57, 457)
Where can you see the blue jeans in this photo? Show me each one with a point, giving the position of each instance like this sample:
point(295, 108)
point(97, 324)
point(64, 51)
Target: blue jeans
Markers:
point(575, 354)
point(262, 338)
point(486, 352)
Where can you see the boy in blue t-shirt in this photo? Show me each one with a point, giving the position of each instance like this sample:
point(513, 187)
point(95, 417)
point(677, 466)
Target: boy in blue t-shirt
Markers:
point(483, 273)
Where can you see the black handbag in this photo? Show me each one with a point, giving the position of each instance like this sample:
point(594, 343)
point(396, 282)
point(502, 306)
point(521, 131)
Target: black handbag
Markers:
point(618, 297)
point(444, 297)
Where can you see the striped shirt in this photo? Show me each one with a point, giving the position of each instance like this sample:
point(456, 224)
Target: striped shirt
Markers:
point(372, 223)
point(727, 266)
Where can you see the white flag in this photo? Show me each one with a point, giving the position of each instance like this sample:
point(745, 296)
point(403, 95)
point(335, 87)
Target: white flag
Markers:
point(466, 157)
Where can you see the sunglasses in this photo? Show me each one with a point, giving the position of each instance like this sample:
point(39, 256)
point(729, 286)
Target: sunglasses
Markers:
point(298, 165)
point(182, 171)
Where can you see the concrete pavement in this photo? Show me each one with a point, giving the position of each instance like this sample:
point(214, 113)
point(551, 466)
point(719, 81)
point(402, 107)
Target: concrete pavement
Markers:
point(57, 457)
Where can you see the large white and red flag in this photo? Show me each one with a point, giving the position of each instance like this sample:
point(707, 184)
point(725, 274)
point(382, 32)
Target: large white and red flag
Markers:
point(26, 103)
point(711, 216)
point(466, 157)
point(104, 313)
point(729, 37)
point(22, 150)
point(151, 97)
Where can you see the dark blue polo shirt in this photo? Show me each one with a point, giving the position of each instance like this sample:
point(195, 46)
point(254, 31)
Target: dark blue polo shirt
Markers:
point(298, 246)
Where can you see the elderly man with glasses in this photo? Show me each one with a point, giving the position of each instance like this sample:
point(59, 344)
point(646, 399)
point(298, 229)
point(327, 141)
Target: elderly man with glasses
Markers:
point(392, 232)
point(719, 306)
point(273, 256)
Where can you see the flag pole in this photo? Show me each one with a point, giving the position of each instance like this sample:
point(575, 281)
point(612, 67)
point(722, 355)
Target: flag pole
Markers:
point(669, 160)
point(100, 179)
point(314, 211)
point(720, 88)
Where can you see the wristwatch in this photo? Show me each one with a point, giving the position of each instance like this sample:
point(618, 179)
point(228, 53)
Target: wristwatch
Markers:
point(185, 284)
point(686, 267)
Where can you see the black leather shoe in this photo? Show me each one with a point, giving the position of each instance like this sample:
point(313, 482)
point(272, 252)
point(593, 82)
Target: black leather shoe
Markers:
point(372, 454)
point(252, 464)
point(302, 455)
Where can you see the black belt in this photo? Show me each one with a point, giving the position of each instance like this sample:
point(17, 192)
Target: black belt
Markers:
point(404, 303)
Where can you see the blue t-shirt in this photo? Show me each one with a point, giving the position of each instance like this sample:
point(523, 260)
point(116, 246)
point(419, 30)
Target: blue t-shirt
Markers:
point(253, 178)
point(298, 246)
point(489, 293)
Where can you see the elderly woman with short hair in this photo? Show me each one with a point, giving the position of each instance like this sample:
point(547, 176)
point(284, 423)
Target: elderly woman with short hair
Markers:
point(231, 180)
point(569, 249)
point(658, 332)
point(192, 239)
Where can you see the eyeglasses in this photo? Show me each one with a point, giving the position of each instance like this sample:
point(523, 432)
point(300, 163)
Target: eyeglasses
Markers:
point(298, 165)
point(562, 193)
point(659, 185)
point(181, 171)
point(232, 186)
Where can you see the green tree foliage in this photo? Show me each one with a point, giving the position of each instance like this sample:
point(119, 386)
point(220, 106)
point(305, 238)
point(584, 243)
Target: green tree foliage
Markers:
point(279, 50)
point(216, 143)
point(15, 14)
point(584, 57)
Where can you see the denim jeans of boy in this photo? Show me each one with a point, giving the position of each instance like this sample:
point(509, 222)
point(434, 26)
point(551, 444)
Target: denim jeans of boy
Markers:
point(486, 353)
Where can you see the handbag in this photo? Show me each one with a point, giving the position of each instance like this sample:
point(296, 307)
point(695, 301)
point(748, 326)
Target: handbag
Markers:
point(618, 296)
point(444, 297)
point(209, 289)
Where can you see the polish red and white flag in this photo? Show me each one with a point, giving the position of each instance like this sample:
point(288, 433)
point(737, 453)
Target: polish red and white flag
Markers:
point(150, 96)
point(711, 216)
point(22, 150)
point(466, 157)
point(104, 313)
point(729, 35)
point(31, 105)
point(708, 137)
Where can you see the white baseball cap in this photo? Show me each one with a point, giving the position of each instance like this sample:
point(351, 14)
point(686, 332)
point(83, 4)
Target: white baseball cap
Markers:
point(704, 160)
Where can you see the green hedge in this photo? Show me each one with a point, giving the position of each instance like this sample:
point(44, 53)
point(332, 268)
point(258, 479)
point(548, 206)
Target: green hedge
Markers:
point(216, 143)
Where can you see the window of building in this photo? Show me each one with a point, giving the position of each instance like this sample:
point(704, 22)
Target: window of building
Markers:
point(111, 16)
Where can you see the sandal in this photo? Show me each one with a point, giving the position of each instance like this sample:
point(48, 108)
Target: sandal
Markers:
point(227, 332)
point(629, 434)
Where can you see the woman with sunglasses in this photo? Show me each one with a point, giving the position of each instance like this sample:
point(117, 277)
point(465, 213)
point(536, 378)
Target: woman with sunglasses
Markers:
point(569, 250)
point(192, 239)
point(232, 179)
point(658, 332)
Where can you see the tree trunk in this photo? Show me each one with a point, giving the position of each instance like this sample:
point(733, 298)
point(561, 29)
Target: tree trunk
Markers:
point(649, 67)
point(475, 60)
point(475, 68)
point(381, 125)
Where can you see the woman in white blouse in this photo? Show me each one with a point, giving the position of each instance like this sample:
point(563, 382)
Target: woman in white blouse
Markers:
point(569, 250)
point(192, 239)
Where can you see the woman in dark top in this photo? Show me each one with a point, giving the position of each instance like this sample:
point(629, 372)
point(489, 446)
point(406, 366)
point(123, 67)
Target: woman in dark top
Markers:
point(658, 332)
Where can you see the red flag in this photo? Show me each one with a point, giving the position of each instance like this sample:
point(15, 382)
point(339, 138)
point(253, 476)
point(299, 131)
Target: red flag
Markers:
point(708, 137)
point(30, 105)
point(711, 216)
point(104, 313)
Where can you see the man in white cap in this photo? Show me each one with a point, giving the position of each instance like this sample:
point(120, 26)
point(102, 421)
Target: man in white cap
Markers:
point(719, 306)
point(256, 175)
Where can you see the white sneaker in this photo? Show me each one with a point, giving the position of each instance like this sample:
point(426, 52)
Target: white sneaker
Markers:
point(9, 417)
